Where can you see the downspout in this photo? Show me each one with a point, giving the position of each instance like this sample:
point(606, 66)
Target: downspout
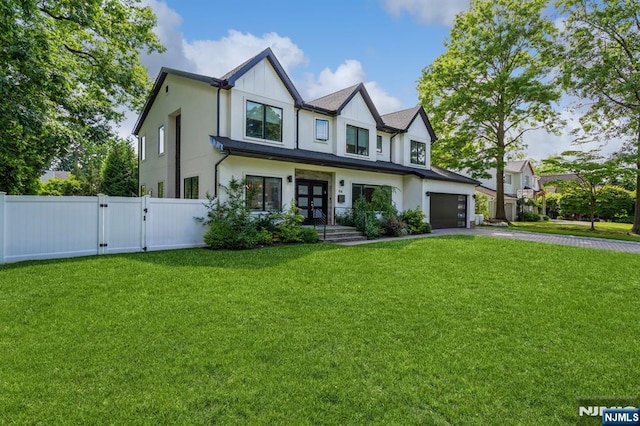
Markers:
point(226, 154)
point(215, 173)
point(297, 126)
point(218, 112)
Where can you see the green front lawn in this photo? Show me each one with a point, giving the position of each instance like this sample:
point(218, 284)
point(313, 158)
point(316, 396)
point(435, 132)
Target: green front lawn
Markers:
point(610, 230)
point(447, 330)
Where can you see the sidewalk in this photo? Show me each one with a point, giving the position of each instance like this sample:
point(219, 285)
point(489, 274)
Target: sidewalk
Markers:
point(565, 240)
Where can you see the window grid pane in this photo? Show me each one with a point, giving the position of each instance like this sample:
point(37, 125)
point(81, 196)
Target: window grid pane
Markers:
point(418, 153)
point(379, 144)
point(352, 137)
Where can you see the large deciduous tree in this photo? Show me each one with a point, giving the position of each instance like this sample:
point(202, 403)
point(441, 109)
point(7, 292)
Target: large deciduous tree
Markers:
point(602, 65)
point(491, 86)
point(67, 69)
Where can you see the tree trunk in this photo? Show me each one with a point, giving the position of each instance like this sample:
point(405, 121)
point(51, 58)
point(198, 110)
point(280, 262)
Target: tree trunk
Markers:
point(592, 207)
point(636, 216)
point(500, 213)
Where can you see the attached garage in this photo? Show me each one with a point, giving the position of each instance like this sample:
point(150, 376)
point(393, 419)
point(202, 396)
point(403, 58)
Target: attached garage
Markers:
point(448, 210)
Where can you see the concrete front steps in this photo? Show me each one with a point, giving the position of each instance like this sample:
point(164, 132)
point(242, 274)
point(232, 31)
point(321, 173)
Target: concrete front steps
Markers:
point(339, 234)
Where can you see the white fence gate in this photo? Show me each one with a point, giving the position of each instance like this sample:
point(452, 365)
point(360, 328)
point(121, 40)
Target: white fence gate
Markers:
point(34, 227)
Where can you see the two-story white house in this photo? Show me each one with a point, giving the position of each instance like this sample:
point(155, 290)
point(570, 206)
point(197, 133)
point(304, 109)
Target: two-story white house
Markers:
point(196, 133)
point(518, 175)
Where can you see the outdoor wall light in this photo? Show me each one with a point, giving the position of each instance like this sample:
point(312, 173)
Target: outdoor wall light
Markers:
point(341, 182)
point(427, 193)
point(289, 178)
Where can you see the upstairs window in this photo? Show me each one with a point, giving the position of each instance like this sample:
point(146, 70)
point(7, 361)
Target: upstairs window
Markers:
point(527, 181)
point(379, 144)
point(418, 153)
point(322, 130)
point(357, 140)
point(161, 140)
point(507, 179)
point(264, 121)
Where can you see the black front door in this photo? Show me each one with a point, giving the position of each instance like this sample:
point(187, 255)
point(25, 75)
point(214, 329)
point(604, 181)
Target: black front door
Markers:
point(311, 199)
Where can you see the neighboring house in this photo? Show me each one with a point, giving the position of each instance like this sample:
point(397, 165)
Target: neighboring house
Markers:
point(518, 175)
point(196, 133)
point(550, 183)
point(50, 174)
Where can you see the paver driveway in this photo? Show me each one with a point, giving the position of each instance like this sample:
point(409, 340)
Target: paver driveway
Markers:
point(565, 240)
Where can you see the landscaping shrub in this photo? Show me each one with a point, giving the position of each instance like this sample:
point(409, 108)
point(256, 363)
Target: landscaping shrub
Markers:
point(415, 221)
point(309, 235)
point(545, 218)
point(345, 218)
point(530, 217)
point(232, 224)
point(482, 204)
point(372, 229)
point(393, 227)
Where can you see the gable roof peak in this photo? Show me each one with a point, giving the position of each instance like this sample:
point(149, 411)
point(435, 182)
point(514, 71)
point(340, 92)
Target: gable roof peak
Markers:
point(232, 76)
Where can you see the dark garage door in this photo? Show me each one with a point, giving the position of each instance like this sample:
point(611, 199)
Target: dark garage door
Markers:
point(448, 210)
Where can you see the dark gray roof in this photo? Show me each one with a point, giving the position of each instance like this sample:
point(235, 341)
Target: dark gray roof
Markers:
point(248, 149)
point(335, 101)
point(566, 177)
point(402, 120)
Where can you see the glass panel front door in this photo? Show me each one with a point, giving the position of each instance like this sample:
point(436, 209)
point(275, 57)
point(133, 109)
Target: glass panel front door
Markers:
point(311, 199)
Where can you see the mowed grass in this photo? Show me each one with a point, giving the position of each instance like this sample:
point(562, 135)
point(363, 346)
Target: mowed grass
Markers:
point(609, 230)
point(437, 331)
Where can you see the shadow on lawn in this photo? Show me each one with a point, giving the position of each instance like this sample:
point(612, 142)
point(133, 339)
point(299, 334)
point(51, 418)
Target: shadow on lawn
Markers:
point(241, 259)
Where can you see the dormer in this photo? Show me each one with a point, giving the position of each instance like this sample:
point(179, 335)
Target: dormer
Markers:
point(355, 120)
point(411, 137)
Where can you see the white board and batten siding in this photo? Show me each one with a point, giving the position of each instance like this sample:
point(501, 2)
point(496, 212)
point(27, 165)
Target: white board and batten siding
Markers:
point(34, 227)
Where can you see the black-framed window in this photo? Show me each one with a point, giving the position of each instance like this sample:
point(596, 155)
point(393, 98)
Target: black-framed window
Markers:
point(418, 153)
point(160, 189)
point(264, 193)
point(364, 190)
point(322, 130)
point(160, 140)
point(191, 188)
point(357, 140)
point(264, 121)
point(143, 190)
point(379, 144)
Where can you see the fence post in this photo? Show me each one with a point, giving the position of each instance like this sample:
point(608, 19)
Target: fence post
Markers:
point(2, 226)
point(145, 202)
point(102, 223)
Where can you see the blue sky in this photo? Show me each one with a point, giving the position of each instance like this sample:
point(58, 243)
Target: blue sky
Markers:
point(324, 45)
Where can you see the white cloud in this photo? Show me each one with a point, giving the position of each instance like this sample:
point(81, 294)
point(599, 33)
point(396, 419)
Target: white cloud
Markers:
point(217, 57)
point(347, 74)
point(428, 11)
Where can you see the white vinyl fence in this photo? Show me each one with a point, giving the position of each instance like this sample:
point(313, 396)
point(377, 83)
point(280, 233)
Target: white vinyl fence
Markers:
point(34, 227)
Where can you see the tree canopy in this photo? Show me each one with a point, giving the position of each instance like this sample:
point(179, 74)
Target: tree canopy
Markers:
point(491, 86)
point(67, 69)
point(593, 172)
point(602, 65)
